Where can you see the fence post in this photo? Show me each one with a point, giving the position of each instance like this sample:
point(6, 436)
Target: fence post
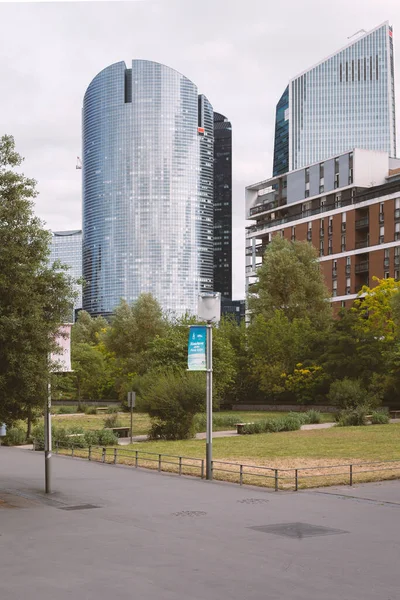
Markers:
point(136, 458)
point(159, 462)
point(103, 456)
point(180, 465)
point(56, 447)
point(90, 453)
point(34, 445)
point(72, 450)
point(276, 480)
point(115, 456)
point(241, 474)
point(351, 474)
point(202, 468)
point(296, 480)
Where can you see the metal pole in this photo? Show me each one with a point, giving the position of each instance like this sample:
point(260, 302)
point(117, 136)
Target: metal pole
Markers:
point(131, 418)
point(209, 403)
point(47, 440)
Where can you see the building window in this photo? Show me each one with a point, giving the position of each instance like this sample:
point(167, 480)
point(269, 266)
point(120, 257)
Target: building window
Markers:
point(381, 234)
point(334, 288)
point(397, 275)
point(293, 234)
point(330, 226)
point(381, 213)
point(321, 189)
point(348, 265)
point(338, 200)
point(343, 304)
point(343, 243)
point(321, 171)
point(387, 275)
point(307, 175)
point(350, 160)
point(334, 269)
point(321, 248)
point(348, 285)
point(386, 260)
point(350, 176)
point(309, 231)
point(397, 231)
point(344, 218)
point(322, 203)
point(321, 229)
point(307, 194)
point(330, 246)
point(397, 203)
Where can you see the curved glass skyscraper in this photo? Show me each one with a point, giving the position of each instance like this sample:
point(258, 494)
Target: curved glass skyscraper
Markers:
point(147, 188)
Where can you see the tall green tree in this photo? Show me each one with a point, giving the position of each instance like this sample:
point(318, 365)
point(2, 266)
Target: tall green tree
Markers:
point(291, 280)
point(34, 298)
point(88, 330)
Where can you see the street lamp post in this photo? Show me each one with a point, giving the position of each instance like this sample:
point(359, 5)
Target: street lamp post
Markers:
point(209, 309)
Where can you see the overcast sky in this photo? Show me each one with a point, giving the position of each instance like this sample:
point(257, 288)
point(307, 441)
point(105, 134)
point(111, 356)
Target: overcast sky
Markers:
point(240, 54)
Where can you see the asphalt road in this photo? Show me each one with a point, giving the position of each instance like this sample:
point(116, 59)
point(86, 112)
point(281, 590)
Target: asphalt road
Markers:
point(158, 536)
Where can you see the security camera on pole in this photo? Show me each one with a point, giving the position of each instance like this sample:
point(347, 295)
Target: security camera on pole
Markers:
point(209, 310)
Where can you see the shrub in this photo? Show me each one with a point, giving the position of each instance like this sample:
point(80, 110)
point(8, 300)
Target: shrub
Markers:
point(313, 417)
point(113, 409)
point(65, 410)
point(112, 421)
point(219, 420)
point(353, 416)
point(347, 394)
point(82, 408)
point(91, 410)
point(15, 437)
point(172, 399)
point(290, 422)
point(100, 438)
point(379, 417)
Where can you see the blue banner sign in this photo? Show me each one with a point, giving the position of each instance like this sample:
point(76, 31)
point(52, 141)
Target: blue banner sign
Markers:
point(197, 348)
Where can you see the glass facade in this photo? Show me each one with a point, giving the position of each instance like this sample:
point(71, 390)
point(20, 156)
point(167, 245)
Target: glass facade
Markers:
point(346, 101)
point(147, 188)
point(281, 146)
point(222, 205)
point(66, 246)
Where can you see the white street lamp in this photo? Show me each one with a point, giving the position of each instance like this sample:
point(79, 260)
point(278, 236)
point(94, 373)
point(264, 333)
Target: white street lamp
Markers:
point(209, 310)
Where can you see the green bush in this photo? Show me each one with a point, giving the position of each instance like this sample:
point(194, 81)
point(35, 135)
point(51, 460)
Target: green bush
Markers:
point(65, 410)
point(313, 417)
point(91, 410)
point(15, 437)
point(113, 409)
point(112, 421)
point(82, 408)
point(353, 416)
point(347, 394)
point(379, 417)
point(290, 422)
point(172, 400)
point(100, 438)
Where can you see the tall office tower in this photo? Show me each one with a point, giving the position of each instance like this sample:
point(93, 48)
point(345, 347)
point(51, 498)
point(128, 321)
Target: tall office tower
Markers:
point(345, 101)
point(66, 246)
point(147, 188)
point(222, 205)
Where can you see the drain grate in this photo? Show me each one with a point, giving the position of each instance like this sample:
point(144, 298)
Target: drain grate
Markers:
point(79, 507)
point(253, 501)
point(297, 530)
point(189, 513)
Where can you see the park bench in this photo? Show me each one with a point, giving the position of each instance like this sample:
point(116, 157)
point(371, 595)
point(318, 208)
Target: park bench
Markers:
point(120, 431)
point(394, 414)
point(101, 409)
point(239, 426)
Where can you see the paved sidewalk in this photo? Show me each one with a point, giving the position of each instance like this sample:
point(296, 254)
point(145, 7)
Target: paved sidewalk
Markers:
point(113, 532)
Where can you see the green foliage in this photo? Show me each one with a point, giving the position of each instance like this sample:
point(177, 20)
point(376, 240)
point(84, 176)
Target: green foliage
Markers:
point(60, 437)
point(355, 416)
point(290, 422)
point(313, 417)
point(305, 383)
point(347, 394)
point(65, 410)
point(100, 437)
point(374, 307)
point(172, 399)
point(15, 437)
point(112, 421)
point(91, 410)
point(88, 330)
point(379, 418)
point(221, 421)
point(34, 298)
point(291, 280)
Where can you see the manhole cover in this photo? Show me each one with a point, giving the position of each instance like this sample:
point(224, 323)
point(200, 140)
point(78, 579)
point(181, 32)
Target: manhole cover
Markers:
point(189, 513)
point(78, 507)
point(253, 501)
point(297, 530)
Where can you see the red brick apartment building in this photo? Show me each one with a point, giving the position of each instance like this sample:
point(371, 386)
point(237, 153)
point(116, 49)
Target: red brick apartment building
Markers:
point(348, 207)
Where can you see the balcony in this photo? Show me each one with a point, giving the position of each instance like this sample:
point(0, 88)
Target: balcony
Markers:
point(362, 267)
point(386, 263)
point(362, 243)
point(263, 207)
point(397, 214)
point(381, 217)
point(348, 269)
point(362, 223)
point(397, 261)
point(309, 235)
point(334, 273)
